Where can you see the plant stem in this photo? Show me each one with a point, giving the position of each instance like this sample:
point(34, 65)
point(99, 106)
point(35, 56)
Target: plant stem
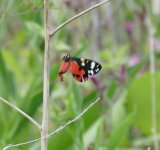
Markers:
point(153, 83)
point(21, 112)
point(153, 94)
point(77, 16)
point(44, 132)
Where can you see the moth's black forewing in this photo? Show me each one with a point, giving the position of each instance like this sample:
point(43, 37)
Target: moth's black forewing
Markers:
point(90, 67)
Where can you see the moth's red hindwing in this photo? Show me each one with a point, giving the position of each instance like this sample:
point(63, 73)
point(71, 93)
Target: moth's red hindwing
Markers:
point(77, 72)
point(64, 66)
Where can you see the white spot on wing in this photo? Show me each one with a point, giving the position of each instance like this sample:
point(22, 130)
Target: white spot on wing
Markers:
point(83, 64)
point(93, 65)
point(92, 73)
point(97, 69)
point(82, 59)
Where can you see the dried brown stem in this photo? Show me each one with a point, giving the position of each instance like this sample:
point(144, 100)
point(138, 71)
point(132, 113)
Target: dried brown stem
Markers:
point(44, 131)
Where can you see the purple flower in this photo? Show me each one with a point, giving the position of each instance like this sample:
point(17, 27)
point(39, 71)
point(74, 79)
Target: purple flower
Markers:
point(134, 59)
point(128, 27)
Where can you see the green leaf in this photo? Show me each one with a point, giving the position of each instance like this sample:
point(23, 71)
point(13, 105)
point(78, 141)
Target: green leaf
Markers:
point(76, 96)
point(61, 141)
point(89, 98)
point(119, 133)
point(118, 110)
point(111, 88)
point(12, 63)
point(140, 99)
point(7, 86)
point(30, 104)
point(100, 134)
point(35, 28)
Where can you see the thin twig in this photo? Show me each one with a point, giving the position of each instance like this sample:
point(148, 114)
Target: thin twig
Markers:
point(21, 112)
point(77, 16)
point(153, 83)
point(44, 131)
point(75, 119)
point(57, 130)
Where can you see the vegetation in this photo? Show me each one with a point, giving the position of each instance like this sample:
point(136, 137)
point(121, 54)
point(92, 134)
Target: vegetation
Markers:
point(122, 35)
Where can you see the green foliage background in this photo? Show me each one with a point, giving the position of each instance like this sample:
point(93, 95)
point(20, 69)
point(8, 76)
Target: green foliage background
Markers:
point(116, 35)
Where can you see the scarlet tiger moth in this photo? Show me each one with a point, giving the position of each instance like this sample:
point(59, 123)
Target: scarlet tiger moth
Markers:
point(80, 68)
